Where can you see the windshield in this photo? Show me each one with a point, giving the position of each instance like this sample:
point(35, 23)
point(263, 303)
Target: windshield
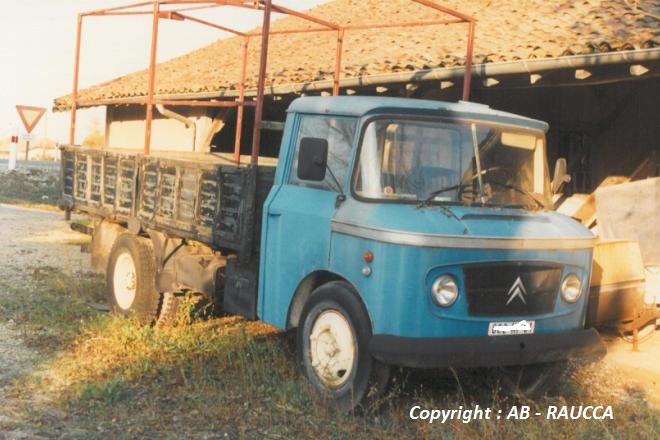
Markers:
point(436, 162)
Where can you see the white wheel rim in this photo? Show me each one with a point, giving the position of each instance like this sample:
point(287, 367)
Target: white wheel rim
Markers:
point(124, 280)
point(332, 348)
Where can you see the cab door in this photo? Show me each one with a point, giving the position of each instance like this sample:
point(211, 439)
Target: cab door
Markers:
point(296, 224)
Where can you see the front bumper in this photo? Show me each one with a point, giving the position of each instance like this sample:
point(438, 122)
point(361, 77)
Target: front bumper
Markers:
point(487, 351)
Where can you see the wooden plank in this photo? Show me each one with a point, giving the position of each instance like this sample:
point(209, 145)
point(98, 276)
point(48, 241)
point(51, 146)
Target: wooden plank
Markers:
point(587, 212)
point(206, 200)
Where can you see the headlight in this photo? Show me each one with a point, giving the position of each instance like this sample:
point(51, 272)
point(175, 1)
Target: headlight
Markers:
point(444, 291)
point(571, 288)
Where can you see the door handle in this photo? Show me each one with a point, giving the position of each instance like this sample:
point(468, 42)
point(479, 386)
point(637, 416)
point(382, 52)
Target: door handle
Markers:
point(274, 214)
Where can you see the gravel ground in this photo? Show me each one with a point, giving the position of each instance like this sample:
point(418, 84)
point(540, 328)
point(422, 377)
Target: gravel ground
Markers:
point(30, 239)
point(16, 359)
point(33, 239)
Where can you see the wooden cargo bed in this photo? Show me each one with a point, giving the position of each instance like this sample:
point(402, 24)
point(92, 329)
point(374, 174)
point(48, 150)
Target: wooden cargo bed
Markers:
point(200, 196)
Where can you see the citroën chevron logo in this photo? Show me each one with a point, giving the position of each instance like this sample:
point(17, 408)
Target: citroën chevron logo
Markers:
point(517, 291)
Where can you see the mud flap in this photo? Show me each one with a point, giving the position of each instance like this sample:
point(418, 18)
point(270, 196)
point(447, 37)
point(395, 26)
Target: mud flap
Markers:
point(240, 289)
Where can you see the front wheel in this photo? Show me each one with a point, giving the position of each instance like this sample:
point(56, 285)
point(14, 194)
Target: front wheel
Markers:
point(332, 347)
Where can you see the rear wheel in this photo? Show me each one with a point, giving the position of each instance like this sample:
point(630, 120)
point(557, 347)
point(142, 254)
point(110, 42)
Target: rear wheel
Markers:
point(130, 278)
point(169, 309)
point(182, 308)
point(332, 347)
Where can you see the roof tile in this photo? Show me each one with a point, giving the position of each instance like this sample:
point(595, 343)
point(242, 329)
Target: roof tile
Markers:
point(507, 30)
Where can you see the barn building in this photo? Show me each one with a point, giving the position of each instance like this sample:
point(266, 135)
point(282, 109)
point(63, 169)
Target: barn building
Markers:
point(590, 68)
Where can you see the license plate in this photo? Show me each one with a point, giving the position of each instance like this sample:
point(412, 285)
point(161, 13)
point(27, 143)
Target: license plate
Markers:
point(511, 328)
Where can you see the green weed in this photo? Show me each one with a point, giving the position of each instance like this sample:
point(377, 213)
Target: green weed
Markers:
point(231, 378)
point(108, 392)
point(30, 187)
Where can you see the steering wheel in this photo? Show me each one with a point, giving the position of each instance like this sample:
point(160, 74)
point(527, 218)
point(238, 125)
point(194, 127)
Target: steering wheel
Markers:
point(484, 172)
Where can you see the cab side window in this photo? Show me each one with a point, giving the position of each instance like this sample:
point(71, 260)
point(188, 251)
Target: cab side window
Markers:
point(339, 132)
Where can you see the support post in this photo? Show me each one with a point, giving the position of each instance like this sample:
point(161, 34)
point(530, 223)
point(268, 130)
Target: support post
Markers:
point(335, 82)
point(152, 79)
point(74, 94)
point(263, 63)
point(468, 62)
point(241, 107)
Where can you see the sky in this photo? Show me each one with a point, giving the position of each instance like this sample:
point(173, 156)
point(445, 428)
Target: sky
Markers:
point(37, 43)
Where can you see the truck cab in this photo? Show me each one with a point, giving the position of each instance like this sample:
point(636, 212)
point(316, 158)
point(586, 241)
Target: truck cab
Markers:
point(418, 233)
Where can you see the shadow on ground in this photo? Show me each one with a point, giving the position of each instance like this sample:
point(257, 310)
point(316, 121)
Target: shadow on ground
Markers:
point(106, 377)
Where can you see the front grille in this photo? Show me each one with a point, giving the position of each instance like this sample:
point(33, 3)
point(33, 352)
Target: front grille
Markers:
point(511, 289)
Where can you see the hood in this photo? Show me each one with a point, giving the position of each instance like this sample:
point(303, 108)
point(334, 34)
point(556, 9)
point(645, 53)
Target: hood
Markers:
point(461, 225)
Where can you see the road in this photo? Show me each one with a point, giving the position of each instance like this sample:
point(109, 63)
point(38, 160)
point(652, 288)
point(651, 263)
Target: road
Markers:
point(30, 239)
point(32, 164)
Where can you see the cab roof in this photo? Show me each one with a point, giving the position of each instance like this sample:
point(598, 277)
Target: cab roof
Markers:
point(365, 105)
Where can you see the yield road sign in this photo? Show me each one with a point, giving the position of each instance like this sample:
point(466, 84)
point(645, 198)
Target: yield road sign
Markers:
point(30, 115)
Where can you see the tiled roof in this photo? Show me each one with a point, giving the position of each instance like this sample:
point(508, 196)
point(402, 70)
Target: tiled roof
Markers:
point(507, 30)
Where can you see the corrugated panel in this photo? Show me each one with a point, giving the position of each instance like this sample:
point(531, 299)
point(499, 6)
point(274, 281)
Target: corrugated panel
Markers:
point(110, 182)
point(167, 194)
point(68, 170)
point(127, 170)
point(208, 199)
point(81, 181)
point(149, 190)
point(227, 223)
point(96, 178)
point(187, 196)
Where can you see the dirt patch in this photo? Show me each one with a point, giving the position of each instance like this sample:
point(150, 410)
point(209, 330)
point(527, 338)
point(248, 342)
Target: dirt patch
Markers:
point(17, 359)
point(640, 368)
point(32, 241)
point(76, 373)
point(36, 239)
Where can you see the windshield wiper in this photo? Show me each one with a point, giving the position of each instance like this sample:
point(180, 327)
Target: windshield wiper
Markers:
point(433, 194)
point(520, 190)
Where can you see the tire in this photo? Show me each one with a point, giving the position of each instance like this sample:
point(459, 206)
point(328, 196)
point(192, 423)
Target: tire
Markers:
point(533, 381)
point(130, 278)
point(181, 309)
point(331, 347)
point(169, 309)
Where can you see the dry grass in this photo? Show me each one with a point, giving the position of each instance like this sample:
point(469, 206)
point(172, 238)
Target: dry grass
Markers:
point(107, 377)
point(31, 188)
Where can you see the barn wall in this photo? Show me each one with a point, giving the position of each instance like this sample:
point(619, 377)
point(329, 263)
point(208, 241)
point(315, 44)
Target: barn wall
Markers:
point(602, 130)
point(125, 127)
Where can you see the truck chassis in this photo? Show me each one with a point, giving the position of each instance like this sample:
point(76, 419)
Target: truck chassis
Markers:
point(195, 208)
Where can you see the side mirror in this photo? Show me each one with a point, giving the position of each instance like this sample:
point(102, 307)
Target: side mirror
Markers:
point(312, 159)
point(560, 176)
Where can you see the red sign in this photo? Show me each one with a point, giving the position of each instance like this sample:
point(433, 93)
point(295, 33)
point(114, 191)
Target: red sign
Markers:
point(30, 115)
